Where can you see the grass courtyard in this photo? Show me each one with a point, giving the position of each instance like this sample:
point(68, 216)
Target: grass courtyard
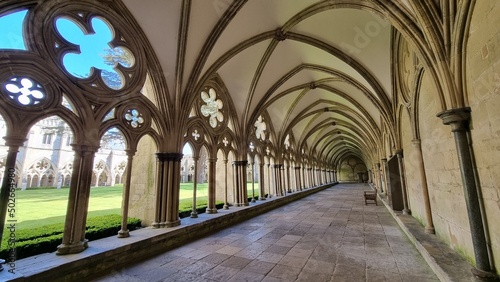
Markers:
point(35, 208)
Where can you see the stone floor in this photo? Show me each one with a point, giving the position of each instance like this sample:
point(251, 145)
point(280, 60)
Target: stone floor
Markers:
point(328, 236)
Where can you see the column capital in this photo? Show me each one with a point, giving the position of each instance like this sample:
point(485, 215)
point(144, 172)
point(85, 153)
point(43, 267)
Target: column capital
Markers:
point(130, 152)
point(384, 160)
point(398, 153)
point(176, 157)
point(83, 149)
point(297, 167)
point(416, 142)
point(14, 141)
point(457, 118)
point(240, 163)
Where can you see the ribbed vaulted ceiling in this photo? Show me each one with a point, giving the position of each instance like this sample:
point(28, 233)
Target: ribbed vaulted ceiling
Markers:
point(320, 69)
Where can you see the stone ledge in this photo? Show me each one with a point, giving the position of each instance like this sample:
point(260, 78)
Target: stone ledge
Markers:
point(107, 253)
point(444, 261)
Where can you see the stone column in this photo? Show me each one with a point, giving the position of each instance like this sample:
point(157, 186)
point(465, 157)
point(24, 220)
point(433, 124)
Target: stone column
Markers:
point(8, 180)
point(211, 208)
point(226, 206)
point(262, 192)
point(313, 177)
point(241, 183)
point(270, 194)
point(161, 193)
point(402, 180)
point(172, 175)
point(297, 179)
point(309, 176)
point(277, 179)
point(304, 177)
point(124, 232)
point(459, 121)
point(429, 228)
point(252, 164)
point(288, 179)
point(335, 175)
point(283, 180)
point(194, 212)
point(78, 200)
point(236, 179)
point(383, 177)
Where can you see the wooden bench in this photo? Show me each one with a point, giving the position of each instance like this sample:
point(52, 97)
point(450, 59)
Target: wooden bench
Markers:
point(370, 196)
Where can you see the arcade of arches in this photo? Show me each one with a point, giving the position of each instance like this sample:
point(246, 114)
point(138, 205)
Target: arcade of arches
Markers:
point(401, 94)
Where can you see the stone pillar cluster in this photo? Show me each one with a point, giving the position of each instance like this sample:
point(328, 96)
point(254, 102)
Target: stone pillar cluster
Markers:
point(74, 229)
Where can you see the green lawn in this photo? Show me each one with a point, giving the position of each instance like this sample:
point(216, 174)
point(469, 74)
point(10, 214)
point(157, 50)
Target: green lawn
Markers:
point(35, 208)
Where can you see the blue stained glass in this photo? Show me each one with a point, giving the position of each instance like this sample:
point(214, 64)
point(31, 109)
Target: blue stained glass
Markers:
point(11, 31)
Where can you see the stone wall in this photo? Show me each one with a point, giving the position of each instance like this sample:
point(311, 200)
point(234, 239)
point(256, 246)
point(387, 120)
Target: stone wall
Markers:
point(443, 173)
point(142, 186)
point(349, 169)
point(410, 158)
point(483, 82)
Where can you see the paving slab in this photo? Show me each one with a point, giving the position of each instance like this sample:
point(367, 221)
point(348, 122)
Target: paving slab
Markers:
point(327, 236)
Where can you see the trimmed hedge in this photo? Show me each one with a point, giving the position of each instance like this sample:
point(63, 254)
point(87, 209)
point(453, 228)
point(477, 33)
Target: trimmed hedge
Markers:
point(45, 239)
point(30, 242)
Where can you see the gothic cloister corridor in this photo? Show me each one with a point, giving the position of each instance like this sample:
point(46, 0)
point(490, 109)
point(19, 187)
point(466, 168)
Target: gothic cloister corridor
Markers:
point(254, 100)
point(328, 236)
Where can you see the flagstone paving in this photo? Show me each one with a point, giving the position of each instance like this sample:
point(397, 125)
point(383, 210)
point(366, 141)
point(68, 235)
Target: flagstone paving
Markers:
point(328, 236)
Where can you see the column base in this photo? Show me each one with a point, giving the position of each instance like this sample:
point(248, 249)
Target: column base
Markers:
point(211, 211)
point(485, 275)
point(225, 207)
point(172, 223)
point(155, 224)
point(407, 211)
point(65, 249)
point(429, 230)
point(253, 200)
point(194, 214)
point(262, 198)
point(123, 234)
